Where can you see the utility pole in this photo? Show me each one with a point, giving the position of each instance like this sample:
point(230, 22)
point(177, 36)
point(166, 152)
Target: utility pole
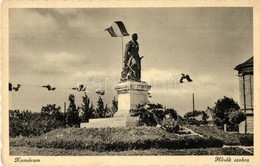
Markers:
point(122, 52)
point(193, 104)
point(65, 114)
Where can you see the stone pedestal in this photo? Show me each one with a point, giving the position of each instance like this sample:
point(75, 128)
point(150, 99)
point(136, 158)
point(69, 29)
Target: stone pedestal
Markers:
point(130, 94)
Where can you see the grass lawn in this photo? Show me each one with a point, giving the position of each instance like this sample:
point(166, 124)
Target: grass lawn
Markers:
point(115, 139)
point(32, 151)
point(227, 138)
point(119, 141)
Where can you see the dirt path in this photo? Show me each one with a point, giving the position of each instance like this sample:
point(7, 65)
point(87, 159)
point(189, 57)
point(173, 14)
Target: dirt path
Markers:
point(192, 132)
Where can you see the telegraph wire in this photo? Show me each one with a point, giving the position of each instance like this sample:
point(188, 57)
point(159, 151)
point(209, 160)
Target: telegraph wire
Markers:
point(80, 88)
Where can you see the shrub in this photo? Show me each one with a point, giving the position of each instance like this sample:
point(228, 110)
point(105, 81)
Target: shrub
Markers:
point(192, 118)
point(193, 121)
point(172, 112)
point(170, 125)
point(147, 118)
point(154, 114)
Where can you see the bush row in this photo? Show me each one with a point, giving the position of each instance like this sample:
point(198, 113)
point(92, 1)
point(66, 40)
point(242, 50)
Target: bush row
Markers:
point(27, 123)
point(120, 145)
point(29, 151)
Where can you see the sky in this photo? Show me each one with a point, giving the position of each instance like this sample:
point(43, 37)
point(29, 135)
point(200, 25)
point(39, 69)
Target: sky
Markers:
point(68, 47)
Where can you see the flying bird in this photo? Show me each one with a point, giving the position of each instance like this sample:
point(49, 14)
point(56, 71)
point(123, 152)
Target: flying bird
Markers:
point(49, 87)
point(100, 92)
point(185, 76)
point(10, 87)
point(17, 87)
point(80, 88)
point(149, 95)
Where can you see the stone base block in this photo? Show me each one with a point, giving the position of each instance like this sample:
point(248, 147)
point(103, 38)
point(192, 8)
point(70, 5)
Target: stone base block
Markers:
point(130, 94)
point(104, 122)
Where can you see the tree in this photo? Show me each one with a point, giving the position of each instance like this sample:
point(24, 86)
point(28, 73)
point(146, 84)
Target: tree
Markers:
point(72, 114)
point(101, 108)
point(87, 109)
point(237, 117)
point(192, 114)
point(52, 111)
point(114, 107)
point(223, 108)
point(52, 116)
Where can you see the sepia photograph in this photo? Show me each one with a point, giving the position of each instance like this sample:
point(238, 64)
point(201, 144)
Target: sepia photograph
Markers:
point(131, 81)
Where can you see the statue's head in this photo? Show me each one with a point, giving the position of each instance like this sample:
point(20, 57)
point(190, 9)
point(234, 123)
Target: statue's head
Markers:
point(134, 37)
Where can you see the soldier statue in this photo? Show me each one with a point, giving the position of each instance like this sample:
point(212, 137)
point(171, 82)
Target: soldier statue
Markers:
point(132, 61)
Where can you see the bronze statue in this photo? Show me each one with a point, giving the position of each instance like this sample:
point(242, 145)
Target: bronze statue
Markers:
point(132, 61)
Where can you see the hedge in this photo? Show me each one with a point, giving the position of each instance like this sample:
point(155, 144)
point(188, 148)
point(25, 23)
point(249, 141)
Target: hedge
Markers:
point(31, 151)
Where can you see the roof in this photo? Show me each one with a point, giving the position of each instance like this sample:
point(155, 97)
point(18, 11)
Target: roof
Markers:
point(209, 112)
point(243, 67)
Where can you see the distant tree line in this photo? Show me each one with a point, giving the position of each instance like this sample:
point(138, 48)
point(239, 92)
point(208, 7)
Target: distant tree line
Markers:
point(27, 123)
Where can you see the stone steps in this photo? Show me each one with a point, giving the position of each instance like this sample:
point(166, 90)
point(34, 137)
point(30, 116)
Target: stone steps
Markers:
point(100, 120)
point(104, 122)
point(111, 122)
point(123, 114)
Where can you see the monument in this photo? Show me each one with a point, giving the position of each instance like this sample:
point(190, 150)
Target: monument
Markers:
point(131, 90)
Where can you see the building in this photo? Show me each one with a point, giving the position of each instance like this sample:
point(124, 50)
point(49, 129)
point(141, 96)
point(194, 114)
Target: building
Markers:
point(246, 94)
point(210, 119)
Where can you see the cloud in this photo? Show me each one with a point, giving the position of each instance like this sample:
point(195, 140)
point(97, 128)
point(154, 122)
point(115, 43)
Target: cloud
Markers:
point(27, 23)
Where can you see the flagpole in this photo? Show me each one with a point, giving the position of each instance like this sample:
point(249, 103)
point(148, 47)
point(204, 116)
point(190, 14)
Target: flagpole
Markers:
point(122, 52)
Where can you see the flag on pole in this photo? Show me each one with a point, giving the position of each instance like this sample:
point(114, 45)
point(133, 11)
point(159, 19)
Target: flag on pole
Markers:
point(117, 29)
